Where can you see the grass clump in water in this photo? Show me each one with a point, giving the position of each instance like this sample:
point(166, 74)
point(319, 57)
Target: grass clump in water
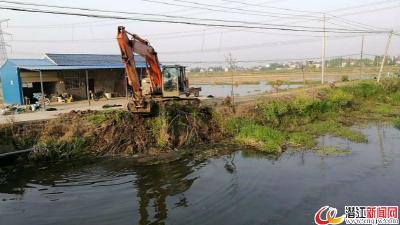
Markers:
point(250, 133)
point(52, 148)
point(302, 140)
point(333, 128)
point(331, 150)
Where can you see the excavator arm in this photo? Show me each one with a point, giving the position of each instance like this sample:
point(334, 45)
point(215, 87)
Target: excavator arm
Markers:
point(143, 48)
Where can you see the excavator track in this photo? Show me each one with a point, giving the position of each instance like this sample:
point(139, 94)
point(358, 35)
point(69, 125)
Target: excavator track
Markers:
point(154, 105)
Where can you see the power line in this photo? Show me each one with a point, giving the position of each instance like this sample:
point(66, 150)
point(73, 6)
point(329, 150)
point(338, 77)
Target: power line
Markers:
point(190, 18)
point(124, 12)
point(262, 60)
point(251, 46)
point(360, 6)
point(370, 10)
point(287, 28)
point(271, 7)
point(238, 9)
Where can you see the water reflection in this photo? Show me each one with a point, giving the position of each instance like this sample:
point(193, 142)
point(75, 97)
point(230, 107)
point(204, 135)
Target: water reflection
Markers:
point(155, 184)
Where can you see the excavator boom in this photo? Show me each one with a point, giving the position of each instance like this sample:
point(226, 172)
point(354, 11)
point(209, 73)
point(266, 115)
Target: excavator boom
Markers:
point(143, 48)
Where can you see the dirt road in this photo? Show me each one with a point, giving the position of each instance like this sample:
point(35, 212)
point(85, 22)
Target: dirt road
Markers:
point(62, 108)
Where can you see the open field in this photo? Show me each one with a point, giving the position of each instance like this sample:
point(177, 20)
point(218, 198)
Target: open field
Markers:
point(246, 77)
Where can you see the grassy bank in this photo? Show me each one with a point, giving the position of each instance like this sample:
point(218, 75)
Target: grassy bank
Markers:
point(273, 124)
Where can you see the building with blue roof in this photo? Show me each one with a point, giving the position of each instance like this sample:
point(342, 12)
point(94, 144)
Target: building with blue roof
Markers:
point(56, 74)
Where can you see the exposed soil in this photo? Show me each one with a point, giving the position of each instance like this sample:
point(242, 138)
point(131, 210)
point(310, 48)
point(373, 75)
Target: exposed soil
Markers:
point(125, 134)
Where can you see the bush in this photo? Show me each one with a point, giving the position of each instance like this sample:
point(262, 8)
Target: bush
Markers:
point(364, 90)
point(391, 84)
point(338, 98)
point(393, 99)
point(345, 78)
point(302, 109)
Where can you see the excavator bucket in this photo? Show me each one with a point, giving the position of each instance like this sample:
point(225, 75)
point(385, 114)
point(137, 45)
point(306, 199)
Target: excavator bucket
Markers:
point(144, 107)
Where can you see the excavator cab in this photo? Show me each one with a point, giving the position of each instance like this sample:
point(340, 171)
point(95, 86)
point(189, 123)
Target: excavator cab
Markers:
point(175, 82)
point(171, 81)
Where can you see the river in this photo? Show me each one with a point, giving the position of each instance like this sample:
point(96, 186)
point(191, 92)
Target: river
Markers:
point(237, 188)
point(223, 90)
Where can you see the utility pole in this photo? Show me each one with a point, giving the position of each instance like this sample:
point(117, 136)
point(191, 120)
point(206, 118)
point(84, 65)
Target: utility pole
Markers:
point(385, 56)
point(323, 53)
point(361, 57)
point(3, 50)
point(232, 66)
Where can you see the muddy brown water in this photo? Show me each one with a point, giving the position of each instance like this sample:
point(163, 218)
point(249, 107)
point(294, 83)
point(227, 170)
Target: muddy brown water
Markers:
point(239, 188)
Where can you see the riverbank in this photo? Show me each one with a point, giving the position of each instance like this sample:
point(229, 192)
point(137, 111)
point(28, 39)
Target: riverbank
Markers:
point(309, 75)
point(275, 123)
point(270, 124)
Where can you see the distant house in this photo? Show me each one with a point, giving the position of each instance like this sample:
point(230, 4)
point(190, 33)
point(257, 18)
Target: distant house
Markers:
point(64, 73)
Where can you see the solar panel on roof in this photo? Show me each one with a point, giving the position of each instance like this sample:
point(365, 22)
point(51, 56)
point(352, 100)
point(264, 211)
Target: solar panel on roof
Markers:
point(88, 59)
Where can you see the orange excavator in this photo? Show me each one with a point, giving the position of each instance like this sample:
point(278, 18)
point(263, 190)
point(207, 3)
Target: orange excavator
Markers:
point(160, 84)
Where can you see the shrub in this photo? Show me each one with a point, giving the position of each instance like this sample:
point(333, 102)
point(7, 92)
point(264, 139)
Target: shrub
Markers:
point(338, 99)
point(391, 84)
point(345, 78)
point(393, 99)
point(364, 90)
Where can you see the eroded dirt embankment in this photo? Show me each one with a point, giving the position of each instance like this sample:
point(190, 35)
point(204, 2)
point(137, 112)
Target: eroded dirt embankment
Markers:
point(122, 133)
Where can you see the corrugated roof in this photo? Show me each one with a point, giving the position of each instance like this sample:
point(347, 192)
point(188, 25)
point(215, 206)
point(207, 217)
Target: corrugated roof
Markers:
point(88, 59)
point(31, 62)
point(55, 67)
point(75, 62)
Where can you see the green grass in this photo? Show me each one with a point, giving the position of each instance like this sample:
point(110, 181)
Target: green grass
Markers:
point(333, 128)
point(301, 140)
point(159, 128)
point(59, 149)
point(98, 118)
point(384, 109)
point(264, 138)
point(331, 150)
point(393, 99)
point(102, 116)
point(248, 132)
point(397, 123)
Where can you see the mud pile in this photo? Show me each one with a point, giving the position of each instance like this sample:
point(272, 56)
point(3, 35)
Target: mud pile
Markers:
point(123, 133)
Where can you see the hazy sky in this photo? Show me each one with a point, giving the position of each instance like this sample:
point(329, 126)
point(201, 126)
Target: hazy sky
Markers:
point(34, 34)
